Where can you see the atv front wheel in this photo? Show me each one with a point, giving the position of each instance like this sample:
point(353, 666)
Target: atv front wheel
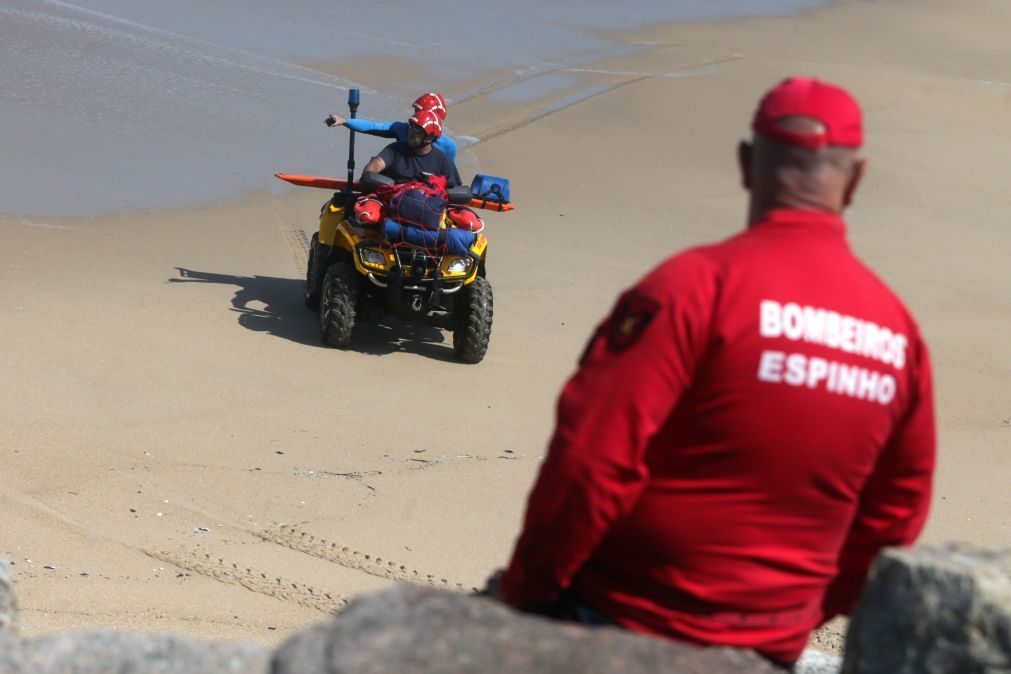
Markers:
point(337, 304)
point(472, 321)
point(315, 269)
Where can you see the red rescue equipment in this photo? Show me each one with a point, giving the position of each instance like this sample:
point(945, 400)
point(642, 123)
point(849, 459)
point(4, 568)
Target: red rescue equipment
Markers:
point(464, 218)
point(369, 211)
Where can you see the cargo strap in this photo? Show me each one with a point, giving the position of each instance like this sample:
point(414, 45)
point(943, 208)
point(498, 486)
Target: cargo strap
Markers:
point(495, 190)
point(440, 239)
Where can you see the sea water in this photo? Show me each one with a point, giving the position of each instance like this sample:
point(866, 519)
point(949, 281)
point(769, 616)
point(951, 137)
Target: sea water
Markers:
point(117, 105)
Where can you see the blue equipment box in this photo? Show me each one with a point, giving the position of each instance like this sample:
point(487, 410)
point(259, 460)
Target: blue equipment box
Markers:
point(491, 188)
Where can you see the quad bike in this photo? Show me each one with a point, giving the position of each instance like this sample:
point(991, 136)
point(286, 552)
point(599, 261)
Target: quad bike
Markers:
point(356, 273)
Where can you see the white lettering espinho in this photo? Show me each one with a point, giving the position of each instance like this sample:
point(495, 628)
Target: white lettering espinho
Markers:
point(852, 381)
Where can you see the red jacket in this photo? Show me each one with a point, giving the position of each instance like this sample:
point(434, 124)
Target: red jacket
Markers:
point(751, 425)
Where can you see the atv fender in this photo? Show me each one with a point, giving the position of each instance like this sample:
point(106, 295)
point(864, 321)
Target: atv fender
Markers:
point(331, 216)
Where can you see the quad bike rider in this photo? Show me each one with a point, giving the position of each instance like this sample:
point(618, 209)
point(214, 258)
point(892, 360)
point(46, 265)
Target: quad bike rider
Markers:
point(397, 130)
point(411, 249)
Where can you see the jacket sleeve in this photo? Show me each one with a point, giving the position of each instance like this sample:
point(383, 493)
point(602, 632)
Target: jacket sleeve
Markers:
point(896, 498)
point(381, 129)
point(634, 370)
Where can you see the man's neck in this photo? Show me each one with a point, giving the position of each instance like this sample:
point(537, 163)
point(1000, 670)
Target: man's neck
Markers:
point(423, 149)
point(760, 208)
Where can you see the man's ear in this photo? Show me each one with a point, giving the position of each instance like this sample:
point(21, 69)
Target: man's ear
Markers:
point(744, 150)
point(856, 175)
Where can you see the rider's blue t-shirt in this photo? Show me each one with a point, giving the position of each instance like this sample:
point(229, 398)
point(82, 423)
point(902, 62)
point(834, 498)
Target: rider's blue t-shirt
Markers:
point(398, 130)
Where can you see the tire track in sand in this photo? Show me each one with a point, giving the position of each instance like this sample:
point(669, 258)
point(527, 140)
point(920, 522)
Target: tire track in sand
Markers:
point(298, 241)
point(293, 538)
point(253, 580)
point(295, 236)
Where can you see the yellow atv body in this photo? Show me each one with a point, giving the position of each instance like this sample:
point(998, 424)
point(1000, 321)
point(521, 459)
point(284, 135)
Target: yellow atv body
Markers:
point(355, 274)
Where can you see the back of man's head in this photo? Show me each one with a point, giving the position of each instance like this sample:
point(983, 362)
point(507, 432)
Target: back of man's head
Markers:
point(805, 152)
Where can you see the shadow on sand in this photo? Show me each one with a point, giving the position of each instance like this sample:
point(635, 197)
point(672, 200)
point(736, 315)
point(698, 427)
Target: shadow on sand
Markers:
point(275, 306)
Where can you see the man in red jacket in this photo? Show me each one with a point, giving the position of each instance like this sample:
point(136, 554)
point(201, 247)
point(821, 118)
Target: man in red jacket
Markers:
point(749, 427)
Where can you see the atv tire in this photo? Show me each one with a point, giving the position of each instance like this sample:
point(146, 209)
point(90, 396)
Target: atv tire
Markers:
point(315, 269)
point(472, 321)
point(338, 297)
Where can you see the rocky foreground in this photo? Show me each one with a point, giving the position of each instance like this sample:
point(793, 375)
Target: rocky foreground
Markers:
point(928, 610)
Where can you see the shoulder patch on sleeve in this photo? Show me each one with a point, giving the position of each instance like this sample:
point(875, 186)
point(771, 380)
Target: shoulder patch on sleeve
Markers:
point(632, 315)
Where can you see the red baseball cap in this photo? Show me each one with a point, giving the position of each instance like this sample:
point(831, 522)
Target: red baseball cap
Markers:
point(810, 97)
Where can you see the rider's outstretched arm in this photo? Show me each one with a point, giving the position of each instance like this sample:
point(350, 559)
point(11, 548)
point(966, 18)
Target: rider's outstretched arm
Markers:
point(381, 129)
point(396, 130)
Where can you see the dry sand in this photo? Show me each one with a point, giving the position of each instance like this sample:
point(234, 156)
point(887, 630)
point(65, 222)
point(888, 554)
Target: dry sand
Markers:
point(162, 376)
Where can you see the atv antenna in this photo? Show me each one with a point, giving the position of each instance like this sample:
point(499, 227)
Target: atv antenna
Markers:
point(354, 97)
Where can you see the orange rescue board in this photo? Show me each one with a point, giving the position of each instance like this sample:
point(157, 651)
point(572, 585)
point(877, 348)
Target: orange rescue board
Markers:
point(491, 205)
point(339, 184)
point(314, 181)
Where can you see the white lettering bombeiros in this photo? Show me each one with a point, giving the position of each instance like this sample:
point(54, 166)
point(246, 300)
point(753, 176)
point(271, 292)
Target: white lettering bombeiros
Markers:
point(829, 328)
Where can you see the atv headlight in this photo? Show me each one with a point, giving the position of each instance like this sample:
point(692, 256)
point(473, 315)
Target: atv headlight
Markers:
point(373, 257)
point(458, 266)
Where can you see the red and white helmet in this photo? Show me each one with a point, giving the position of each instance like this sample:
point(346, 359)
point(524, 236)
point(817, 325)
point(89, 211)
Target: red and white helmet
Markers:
point(429, 121)
point(434, 101)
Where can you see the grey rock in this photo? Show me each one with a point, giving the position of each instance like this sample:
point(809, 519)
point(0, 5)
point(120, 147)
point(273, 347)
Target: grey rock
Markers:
point(419, 630)
point(8, 600)
point(817, 662)
point(10, 654)
point(105, 652)
point(933, 610)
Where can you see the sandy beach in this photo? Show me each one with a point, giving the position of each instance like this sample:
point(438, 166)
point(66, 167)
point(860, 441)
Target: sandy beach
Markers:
point(183, 454)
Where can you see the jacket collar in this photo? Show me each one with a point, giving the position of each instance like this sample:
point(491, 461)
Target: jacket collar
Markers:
point(796, 218)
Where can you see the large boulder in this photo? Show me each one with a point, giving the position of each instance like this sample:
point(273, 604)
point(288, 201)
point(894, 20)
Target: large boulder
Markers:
point(418, 630)
point(108, 652)
point(10, 653)
point(105, 652)
point(929, 610)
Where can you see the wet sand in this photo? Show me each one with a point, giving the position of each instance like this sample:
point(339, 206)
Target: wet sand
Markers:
point(163, 377)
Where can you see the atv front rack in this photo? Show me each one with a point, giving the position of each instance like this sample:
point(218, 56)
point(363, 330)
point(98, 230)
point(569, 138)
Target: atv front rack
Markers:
point(424, 267)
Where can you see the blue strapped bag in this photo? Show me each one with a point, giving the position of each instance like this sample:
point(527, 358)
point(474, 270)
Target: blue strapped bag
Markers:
point(490, 188)
point(456, 241)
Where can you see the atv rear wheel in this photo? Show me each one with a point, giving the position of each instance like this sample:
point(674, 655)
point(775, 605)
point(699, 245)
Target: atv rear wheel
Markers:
point(338, 297)
point(315, 269)
point(472, 321)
